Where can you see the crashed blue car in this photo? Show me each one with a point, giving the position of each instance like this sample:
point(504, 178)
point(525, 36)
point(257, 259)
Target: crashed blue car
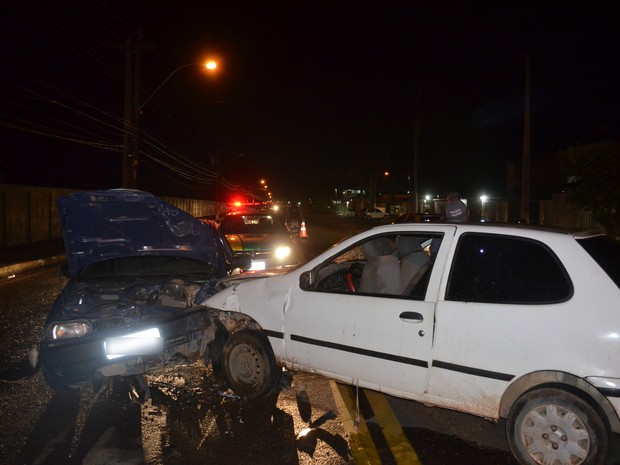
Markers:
point(135, 264)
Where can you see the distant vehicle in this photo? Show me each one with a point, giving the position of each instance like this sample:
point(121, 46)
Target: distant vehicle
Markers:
point(418, 218)
point(374, 214)
point(260, 236)
point(503, 322)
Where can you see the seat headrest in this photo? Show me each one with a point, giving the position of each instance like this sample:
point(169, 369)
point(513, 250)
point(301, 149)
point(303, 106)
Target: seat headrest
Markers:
point(408, 244)
point(377, 247)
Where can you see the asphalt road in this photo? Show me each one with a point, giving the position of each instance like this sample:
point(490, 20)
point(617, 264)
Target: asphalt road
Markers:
point(192, 417)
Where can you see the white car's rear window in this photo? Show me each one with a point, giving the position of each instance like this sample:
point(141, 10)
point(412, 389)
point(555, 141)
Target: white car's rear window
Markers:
point(606, 252)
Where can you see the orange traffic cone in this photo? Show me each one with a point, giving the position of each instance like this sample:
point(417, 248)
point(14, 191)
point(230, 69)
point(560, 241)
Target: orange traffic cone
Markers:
point(302, 231)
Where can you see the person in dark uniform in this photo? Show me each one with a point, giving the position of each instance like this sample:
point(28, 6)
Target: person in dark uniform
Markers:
point(456, 210)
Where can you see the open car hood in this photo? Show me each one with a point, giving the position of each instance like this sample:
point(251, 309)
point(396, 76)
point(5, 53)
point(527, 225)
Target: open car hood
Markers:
point(100, 225)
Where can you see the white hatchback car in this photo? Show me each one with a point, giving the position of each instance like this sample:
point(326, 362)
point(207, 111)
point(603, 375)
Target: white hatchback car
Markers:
point(374, 214)
point(497, 321)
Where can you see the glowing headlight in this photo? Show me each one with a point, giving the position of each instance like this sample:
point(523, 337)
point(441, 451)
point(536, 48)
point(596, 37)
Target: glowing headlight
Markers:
point(147, 342)
point(70, 329)
point(282, 252)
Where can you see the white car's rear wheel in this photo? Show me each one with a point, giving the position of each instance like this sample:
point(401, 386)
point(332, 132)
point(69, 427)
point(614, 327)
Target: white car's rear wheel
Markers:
point(555, 427)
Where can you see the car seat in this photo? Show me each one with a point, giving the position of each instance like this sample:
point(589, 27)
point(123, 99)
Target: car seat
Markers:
point(413, 263)
point(381, 274)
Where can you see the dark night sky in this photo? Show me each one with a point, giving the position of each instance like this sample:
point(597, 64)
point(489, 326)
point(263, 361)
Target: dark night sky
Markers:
point(312, 96)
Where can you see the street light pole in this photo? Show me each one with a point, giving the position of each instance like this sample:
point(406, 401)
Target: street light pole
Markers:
point(133, 110)
point(211, 65)
point(416, 156)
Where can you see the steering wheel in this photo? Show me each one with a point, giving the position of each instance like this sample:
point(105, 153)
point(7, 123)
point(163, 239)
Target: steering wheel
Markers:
point(354, 276)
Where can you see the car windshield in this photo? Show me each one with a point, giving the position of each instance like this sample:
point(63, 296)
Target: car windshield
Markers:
point(143, 266)
point(251, 223)
point(606, 252)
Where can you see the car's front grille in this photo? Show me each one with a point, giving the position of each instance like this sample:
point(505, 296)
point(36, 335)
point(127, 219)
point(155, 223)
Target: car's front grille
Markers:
point(108, 324)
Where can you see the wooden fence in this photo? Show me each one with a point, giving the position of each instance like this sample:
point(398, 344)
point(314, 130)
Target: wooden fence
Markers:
point(28, 214)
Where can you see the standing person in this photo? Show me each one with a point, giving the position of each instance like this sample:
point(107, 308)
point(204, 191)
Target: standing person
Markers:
point(456, 210)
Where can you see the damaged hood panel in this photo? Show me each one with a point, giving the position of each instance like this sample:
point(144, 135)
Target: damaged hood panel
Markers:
point(137, 264)
point(100, 225)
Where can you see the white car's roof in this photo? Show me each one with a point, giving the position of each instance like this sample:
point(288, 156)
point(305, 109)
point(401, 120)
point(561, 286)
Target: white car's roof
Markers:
point(527, 230)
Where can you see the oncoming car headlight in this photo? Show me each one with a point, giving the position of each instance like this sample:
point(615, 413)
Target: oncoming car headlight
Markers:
point(282, 252)
point(69, 329)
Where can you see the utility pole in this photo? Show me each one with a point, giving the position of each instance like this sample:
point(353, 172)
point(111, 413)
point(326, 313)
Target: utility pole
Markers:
point(416, 141)
point(416, 144)
point(131, 136)
point(127, 155)
point(525, 164)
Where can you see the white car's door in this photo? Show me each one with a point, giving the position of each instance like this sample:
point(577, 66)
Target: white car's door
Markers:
point(379, 341)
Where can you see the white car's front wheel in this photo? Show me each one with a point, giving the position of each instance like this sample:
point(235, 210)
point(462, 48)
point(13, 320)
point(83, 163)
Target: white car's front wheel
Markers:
point(249, 365)
point(555, 427)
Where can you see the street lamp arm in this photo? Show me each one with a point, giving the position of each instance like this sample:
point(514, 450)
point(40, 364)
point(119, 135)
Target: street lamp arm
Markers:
point(187, 65)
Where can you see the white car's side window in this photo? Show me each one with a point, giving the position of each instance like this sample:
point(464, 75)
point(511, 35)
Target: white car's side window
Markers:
point(493, 268)
point(395, 265)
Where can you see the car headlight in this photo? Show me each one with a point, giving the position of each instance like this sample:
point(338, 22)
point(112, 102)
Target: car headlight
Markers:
point(147, 342)
point(69, 329)
point(282, 252)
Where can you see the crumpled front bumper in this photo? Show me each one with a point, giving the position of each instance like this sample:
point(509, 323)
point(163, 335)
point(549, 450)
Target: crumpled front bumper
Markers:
point(76, 361)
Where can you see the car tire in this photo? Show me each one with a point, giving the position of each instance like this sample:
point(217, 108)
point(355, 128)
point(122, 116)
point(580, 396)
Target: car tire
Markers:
point(249, 365)
point(58, 383)
point(216, 348)
point(556, 426)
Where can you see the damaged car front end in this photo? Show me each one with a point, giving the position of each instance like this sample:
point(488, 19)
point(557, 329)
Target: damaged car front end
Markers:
point(135, 264)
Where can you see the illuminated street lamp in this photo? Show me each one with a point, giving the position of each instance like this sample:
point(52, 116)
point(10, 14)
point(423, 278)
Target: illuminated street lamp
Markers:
point(211, 65)
point(133, 110)
point(264, 188)
point(427, 198)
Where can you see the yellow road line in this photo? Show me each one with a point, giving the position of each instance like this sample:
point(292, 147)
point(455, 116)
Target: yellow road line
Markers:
point(362, 446)
point(401, 448)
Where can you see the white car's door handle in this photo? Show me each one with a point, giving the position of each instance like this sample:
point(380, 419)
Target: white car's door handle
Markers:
point(412, 316)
